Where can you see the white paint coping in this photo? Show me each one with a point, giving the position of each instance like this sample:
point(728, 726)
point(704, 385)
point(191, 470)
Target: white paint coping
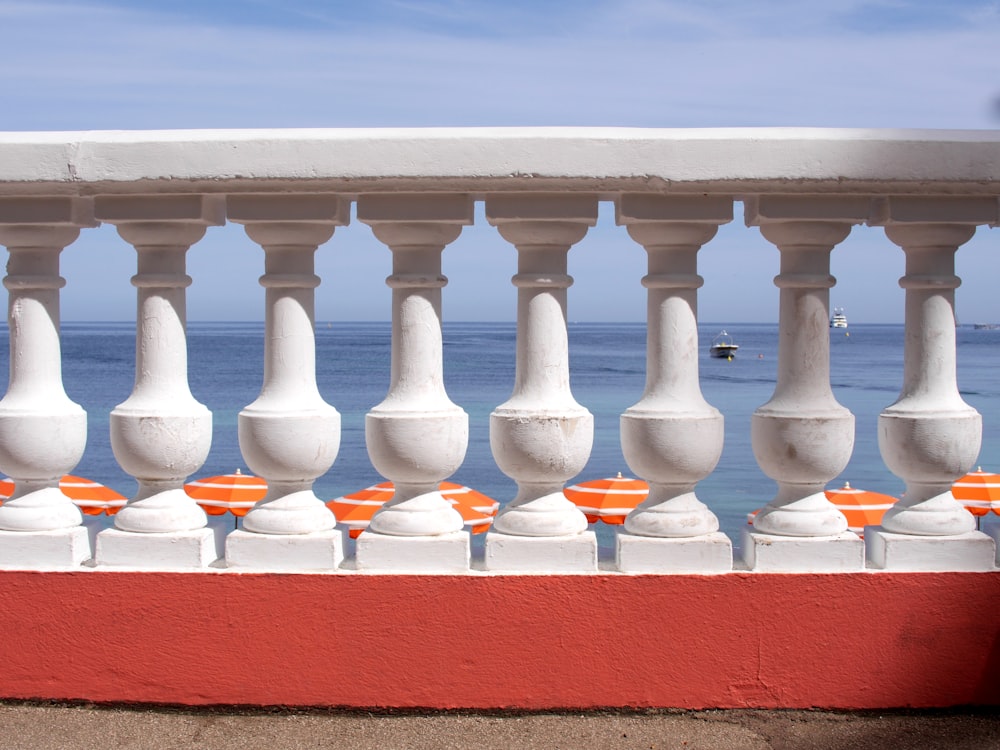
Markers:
point(733, 159)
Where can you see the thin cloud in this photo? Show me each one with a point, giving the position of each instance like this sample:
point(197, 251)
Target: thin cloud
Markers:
point(69, 66)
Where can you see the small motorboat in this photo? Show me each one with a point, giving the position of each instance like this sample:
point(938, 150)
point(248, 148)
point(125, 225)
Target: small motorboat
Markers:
point(839, 320)
point(723, 346)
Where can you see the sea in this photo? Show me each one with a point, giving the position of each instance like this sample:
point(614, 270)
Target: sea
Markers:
point(607, 366)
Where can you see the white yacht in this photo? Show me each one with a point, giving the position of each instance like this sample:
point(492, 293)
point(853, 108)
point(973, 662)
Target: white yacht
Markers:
point(839, 320)
point(723, 346)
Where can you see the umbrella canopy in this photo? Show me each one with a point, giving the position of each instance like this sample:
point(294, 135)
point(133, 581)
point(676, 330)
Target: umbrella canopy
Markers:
point(92, 498)
point(355, 510)
point(860, 507)
point(608, 500)
point(979, 492)
point(235, 493)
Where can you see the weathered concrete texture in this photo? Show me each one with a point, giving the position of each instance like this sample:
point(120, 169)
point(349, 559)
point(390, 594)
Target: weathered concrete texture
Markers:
point(41, 727)
point(391, 159)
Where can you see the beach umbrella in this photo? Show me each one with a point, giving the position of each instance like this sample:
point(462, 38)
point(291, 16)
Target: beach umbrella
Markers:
point(92, 498)
point(860, 507)
point(234, 493)
point(608, 500)
point(355, 510)
point(978, 492)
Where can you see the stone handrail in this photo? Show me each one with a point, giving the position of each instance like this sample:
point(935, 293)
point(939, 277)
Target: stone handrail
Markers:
point(602, 160)
point(805, 189)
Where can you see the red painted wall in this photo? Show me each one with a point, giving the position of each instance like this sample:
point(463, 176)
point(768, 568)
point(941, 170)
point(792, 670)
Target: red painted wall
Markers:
point(529, 642)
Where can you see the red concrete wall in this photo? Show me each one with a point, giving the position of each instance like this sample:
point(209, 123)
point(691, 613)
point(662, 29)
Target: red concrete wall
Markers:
point(527, 642)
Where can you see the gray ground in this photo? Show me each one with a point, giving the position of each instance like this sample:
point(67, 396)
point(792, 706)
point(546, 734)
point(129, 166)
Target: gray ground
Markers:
point(42, 726)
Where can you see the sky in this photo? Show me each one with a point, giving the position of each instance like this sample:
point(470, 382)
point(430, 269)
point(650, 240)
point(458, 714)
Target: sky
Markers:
point(116, 65)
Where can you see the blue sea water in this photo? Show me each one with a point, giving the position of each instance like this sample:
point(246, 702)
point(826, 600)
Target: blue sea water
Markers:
point(607, 363)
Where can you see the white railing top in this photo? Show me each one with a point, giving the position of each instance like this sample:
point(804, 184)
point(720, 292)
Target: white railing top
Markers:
point(608, 160)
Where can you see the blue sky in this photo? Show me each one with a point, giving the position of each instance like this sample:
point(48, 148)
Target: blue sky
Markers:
point(645, 63)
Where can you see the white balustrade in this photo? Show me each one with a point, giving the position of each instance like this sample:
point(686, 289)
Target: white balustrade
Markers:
point(802, 438)
point(416, 436)
point(541, 437)
point(672, 437)
point(289, 435)
point(42, 432)
point(930, 437)
point(416, 189)
point(160, 434)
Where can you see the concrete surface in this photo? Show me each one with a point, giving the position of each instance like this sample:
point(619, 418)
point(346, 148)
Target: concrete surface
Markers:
point(44, 726)
point(510, 642)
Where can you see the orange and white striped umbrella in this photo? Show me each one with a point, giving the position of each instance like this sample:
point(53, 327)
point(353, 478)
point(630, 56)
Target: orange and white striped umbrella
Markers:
point(608, 500)
point(92, 498)
point(235, 493)
point(355, 510)
point(860, 507)
point(979, 492)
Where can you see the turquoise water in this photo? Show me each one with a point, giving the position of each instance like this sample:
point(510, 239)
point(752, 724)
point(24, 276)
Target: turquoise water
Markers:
point(607, 363)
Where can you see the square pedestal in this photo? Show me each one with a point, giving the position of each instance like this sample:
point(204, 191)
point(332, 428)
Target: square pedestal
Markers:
point(446, 553)
point(769, 553)
point(541, 554)
point(994, 533)
point(710, 553)
point(319, 551)
point(885, 550)
point(44, 550)
point(175, 550)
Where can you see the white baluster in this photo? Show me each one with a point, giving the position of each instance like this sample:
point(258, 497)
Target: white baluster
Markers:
point(42, 432)
point(672, 437)
point(416, 437)
point(160, 434)
point(802, 438)
point(930, 437)
point(289, 435)
point(541, 437)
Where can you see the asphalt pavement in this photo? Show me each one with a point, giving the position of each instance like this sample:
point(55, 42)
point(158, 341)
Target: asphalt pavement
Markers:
point(67, 727)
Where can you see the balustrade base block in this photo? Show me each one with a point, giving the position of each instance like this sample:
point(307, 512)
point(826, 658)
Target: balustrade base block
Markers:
point(576, 553)
point(45, 550)
point(183, 550)
point(321, 550)
point(994, 533)
point(740, 640)
point(885, 550)
point(769, 553)
point(446, 553)
point(710, 553)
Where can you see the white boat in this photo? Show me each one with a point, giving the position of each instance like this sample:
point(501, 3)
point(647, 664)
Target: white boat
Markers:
point(839, 320)
point(723, 346)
